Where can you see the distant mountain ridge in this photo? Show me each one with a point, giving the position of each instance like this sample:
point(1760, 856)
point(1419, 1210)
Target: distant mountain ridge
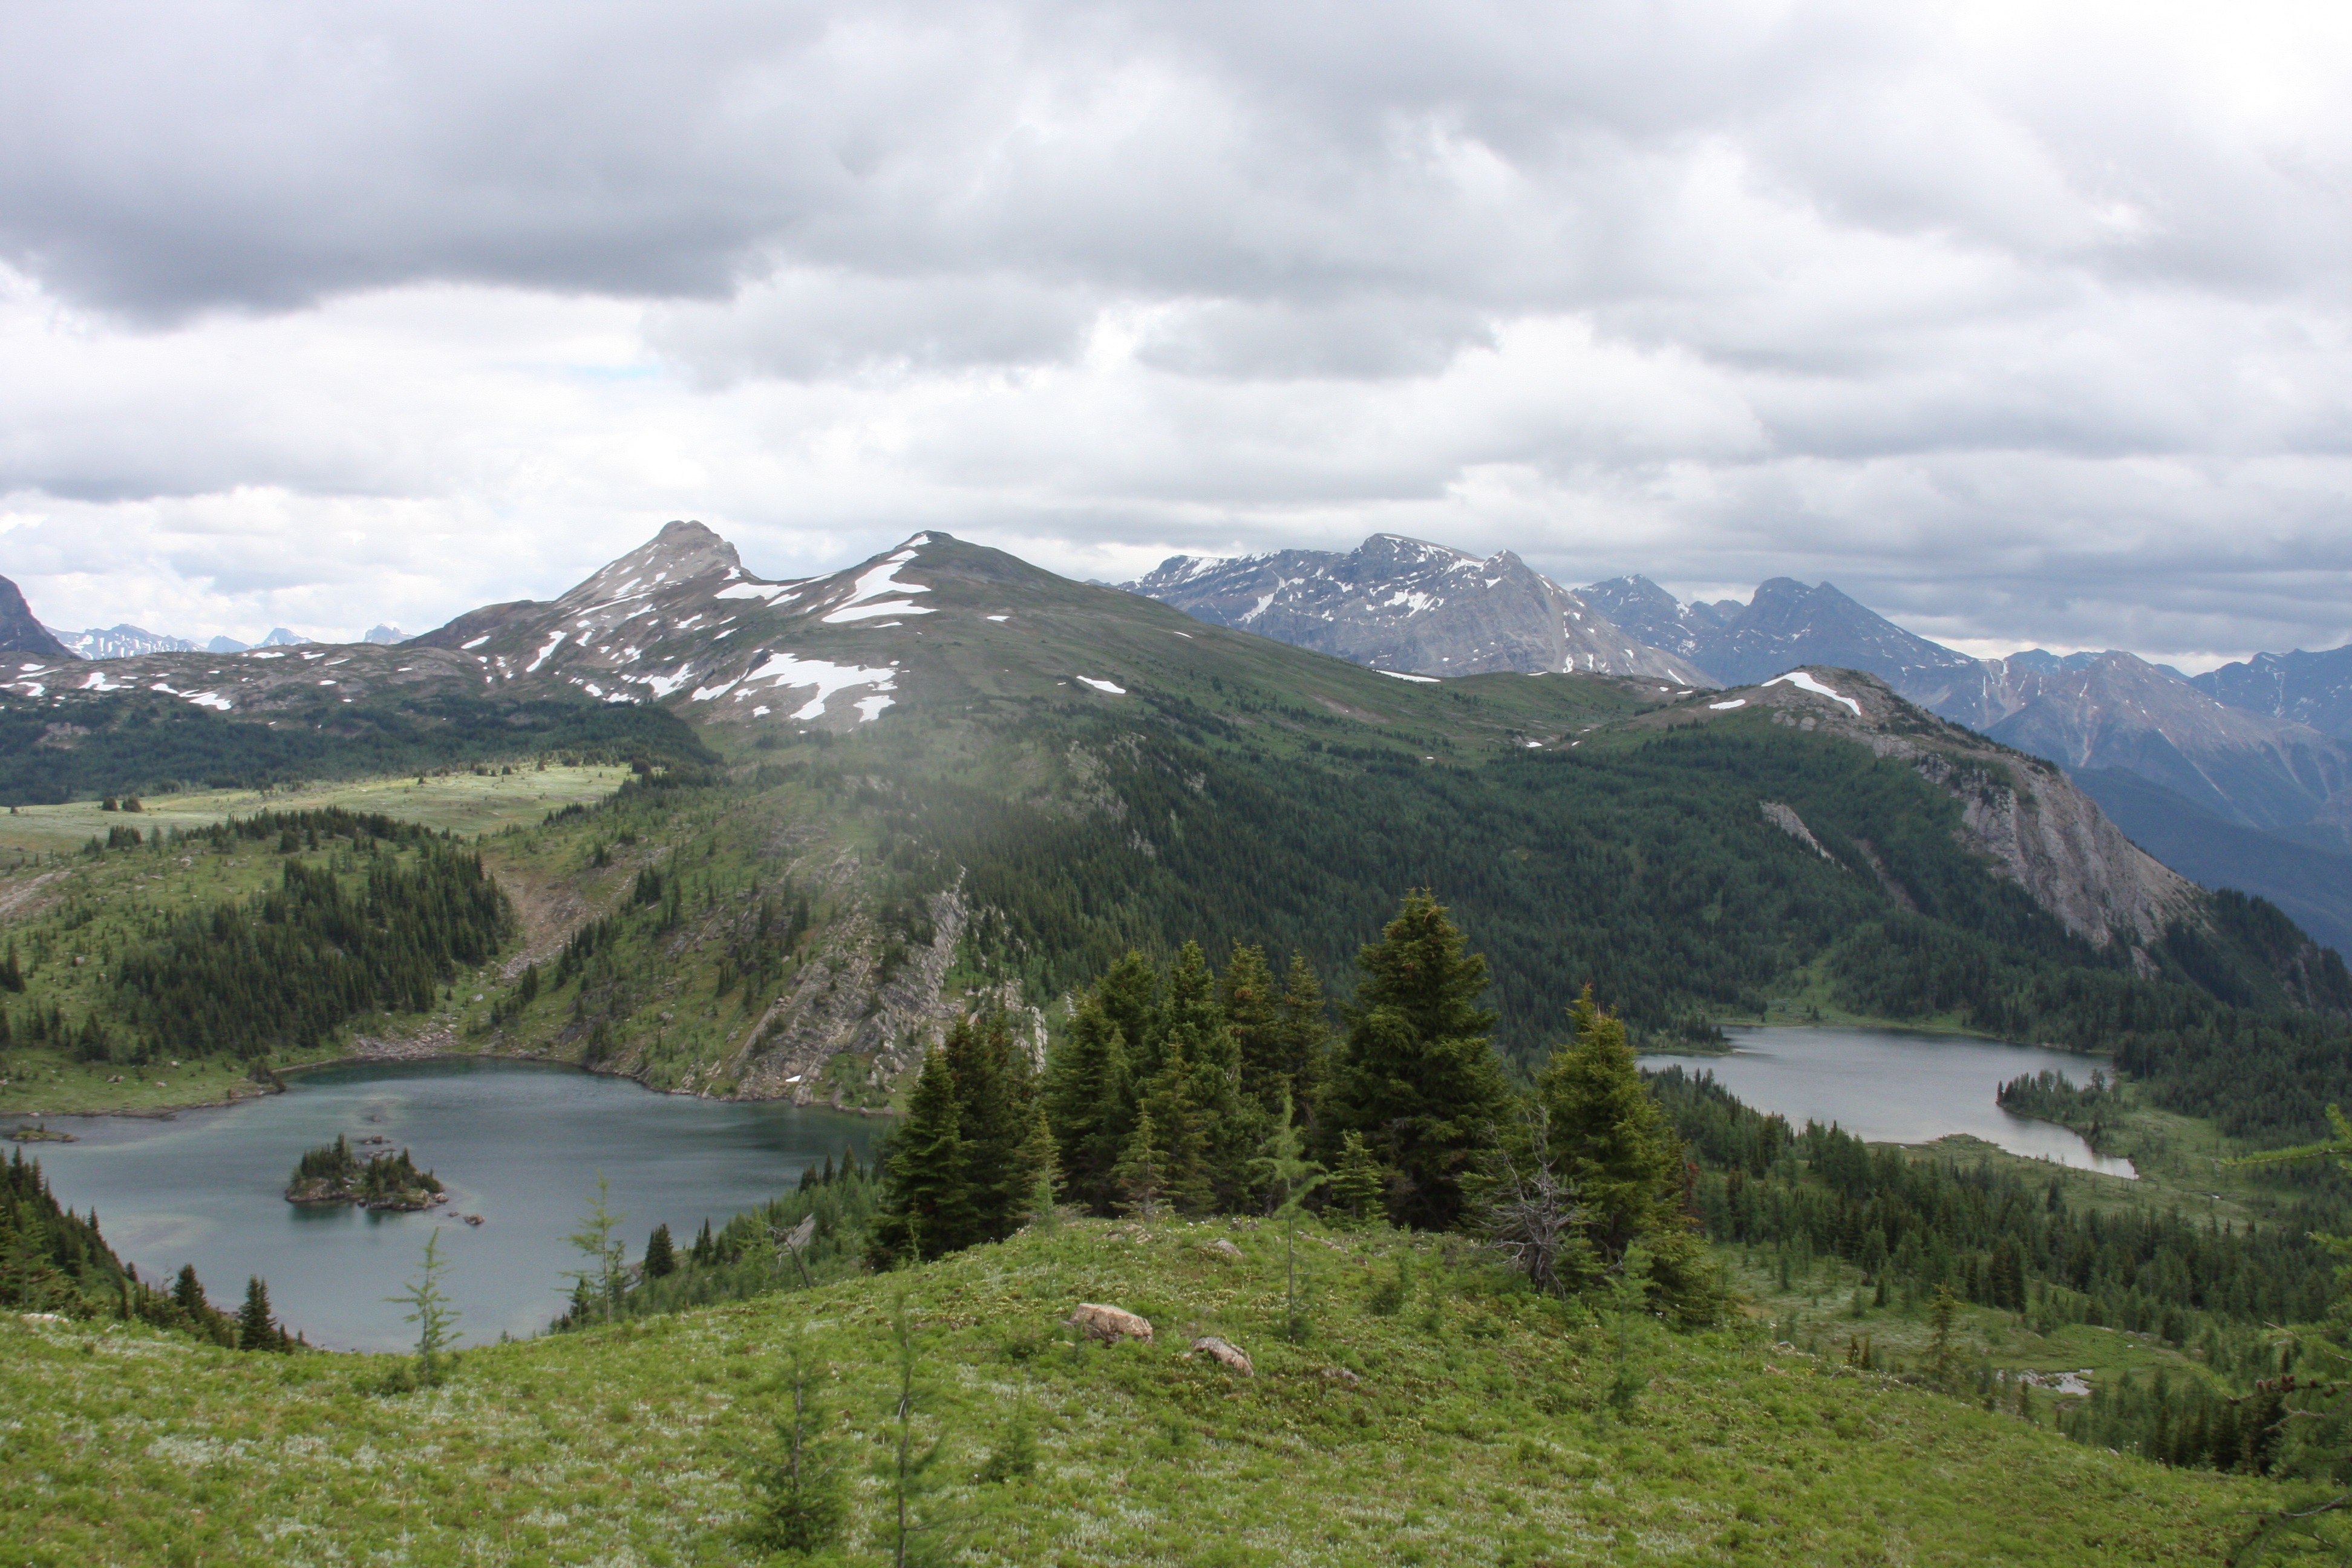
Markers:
point(1407, 605)
point(2313, 688)
point(1787, 624)
point(124, 641)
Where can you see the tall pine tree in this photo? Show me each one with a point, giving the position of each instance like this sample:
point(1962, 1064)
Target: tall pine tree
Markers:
point(926, 1208)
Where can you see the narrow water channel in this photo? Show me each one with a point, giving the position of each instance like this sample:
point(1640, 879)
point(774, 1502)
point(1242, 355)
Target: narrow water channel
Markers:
point(519, 1143)
point(1898, 1086)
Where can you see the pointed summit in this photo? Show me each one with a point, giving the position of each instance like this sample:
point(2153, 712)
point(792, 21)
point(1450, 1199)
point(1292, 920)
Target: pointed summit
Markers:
point(19, 632)
point(680, 552)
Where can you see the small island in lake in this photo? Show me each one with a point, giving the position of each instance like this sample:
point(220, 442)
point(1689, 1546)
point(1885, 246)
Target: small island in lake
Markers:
point(332, 1173)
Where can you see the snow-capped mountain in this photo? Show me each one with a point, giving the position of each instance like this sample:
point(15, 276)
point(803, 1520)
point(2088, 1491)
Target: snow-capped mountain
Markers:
point(125, 641)
point(2313, 688)
point(1406, 605)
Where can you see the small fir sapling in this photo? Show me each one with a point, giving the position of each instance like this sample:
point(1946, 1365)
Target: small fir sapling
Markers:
point(800, 1501)
point(429, 1310)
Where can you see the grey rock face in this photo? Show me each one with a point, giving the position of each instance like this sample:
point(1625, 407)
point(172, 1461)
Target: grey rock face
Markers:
point(1403, 603)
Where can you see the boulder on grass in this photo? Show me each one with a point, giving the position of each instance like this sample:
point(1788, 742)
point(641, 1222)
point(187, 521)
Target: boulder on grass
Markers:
point(1230, 1354)
point(1108, 1324)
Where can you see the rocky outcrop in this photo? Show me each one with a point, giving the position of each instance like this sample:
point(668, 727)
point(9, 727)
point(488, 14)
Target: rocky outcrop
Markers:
point(844, 1002)
point(1108, 1324)
point(1224, 1353)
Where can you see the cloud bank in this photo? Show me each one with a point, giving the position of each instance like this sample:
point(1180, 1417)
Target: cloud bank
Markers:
point(2023, 324)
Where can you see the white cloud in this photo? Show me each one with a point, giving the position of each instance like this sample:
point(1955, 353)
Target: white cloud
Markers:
point(2022, 323)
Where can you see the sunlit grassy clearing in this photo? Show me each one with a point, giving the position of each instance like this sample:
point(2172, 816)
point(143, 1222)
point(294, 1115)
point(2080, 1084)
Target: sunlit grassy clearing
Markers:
point(459, 802)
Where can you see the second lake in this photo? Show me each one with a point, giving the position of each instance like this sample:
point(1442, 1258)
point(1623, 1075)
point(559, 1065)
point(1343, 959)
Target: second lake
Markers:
point(1897, 1086)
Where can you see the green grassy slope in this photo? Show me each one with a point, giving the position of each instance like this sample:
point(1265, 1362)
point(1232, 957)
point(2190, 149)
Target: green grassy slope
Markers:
point(1471, 1423)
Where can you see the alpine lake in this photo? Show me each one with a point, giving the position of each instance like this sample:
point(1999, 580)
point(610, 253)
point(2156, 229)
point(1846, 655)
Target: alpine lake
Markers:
point(1897, 1086)
point(521, 1144)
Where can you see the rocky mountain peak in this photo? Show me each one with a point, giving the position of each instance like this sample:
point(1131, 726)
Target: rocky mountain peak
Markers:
point(680, 552)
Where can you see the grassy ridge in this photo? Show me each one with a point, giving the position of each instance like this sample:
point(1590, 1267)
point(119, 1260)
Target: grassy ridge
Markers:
point(1473, 1425)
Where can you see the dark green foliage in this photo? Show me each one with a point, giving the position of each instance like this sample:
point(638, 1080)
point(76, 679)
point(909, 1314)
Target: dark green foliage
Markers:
point(661, 1257)
point(1612, 1146)
point(800, 1494)
point(744, 1256)
point(963, 1167)
point(256, 1328)
point(1993, 1237)
point(335, 1174)
point(138, 740)
point(2088, 1109)
point(376, 928)
point(1358, 1190)
point(1417, 1076)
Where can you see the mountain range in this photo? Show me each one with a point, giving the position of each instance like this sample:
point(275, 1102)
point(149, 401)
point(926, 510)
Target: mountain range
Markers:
point(2225, 775)
point(2239, 772)
point(968, 766)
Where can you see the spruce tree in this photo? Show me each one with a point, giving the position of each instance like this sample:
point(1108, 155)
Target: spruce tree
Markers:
point(927, 1207)
point(1302, 1035)
point(256, 1329)
point(1358, 1187)
point(1129, 997)
point(1417, 1075)
point(661, 1256)
point(1089, 1102)
point(995, 1088)
point(1139, 1177)
point(188, 1295)
point(1254, 1015)
point(1177, 1131)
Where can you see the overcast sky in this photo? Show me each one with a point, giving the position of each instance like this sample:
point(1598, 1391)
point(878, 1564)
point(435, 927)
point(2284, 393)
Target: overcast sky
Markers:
point(2025, 324)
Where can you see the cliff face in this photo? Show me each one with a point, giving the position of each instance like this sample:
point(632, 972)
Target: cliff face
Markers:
point(2023, 815)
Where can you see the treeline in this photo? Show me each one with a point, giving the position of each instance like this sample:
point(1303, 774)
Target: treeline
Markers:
point(54, 1260)
point(1913, 1225)
point(1183, 1090)
point(2093, 1108)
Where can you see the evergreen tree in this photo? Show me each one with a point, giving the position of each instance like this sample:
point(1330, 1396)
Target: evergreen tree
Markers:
point(1089, 1102)
point(800, 1492)
point(1358, 1187)
point(428, 1308)
point(661, 1256)
point(188, 1295)
point(1254, 1015)
point(1129, 997)
point(1036, 1161)
point(1610, 1138)
point(994, 1087)
point(1288, 1177)
point(1302, 1033)
point(256, 1329)
point(1417, 1076)
point(1176, 1129)
point(1138, 1178)
point(927, 1208)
